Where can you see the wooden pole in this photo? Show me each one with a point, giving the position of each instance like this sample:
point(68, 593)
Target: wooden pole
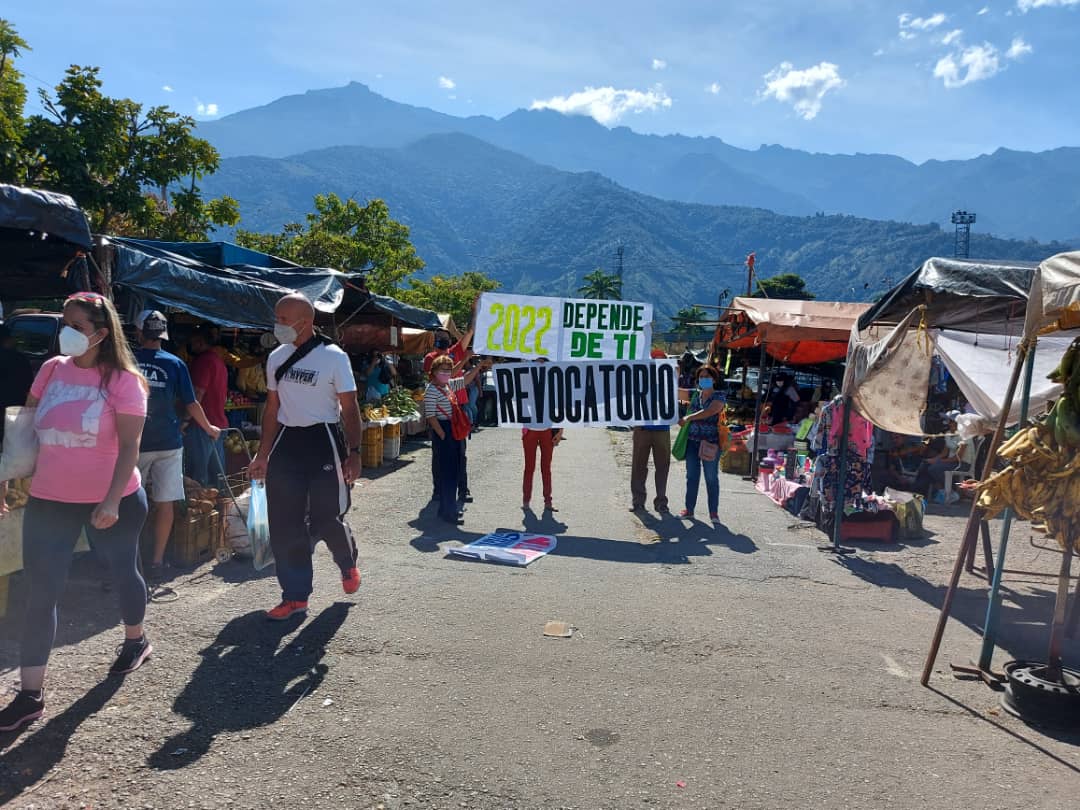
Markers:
point(971, 531)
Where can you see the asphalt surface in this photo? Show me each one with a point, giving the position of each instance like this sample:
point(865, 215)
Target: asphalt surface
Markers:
point(733, 667)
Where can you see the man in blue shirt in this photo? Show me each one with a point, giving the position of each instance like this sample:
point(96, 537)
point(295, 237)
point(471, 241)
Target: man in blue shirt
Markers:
point(161, 454)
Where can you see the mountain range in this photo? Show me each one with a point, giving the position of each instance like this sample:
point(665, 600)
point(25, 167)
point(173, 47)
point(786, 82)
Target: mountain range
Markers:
point(537, 229)
point(1022, 195)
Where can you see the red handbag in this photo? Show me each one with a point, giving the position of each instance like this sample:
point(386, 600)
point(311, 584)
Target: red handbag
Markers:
point(460, 426)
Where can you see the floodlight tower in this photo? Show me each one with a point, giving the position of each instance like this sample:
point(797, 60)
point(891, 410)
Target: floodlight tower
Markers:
point(963, 220)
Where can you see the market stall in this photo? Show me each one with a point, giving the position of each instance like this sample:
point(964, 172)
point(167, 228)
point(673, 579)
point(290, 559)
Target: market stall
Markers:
point(1041, 482)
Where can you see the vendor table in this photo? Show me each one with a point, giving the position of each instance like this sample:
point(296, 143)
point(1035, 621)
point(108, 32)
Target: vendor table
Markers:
point(772, 441)
point(778, 488)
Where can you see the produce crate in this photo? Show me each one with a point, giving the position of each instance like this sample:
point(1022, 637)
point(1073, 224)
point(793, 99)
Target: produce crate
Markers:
point(392, 431)
point(373, 433)
point(735, 461)
point(194, 538)
point(391, 448)
point(371, 455)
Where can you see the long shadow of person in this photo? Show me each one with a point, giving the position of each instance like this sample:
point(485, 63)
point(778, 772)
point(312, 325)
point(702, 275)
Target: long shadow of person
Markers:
point(22, 767)
point(244, 681)
point(546, 523)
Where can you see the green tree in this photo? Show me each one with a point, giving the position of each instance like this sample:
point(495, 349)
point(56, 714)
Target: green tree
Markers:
point(345, 235)
point(453, 294)
point(601, 285)
point(684, 322)
point(12, 101)
point(786, 286)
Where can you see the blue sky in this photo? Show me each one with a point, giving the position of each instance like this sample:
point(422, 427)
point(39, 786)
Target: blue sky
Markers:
point(919, 79)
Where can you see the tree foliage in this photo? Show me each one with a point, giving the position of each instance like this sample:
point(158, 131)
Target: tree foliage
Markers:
point(685, 319)
point(345, 235)
point(601, 286)
point(786, 286)
point(12, 101)
point(453, 294)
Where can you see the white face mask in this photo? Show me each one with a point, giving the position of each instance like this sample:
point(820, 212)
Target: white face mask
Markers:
point(284, 333)
point(74, 343)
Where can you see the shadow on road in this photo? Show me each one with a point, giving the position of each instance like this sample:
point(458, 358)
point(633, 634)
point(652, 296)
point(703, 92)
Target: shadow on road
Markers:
point(22, 767)
point(1023, 628)
point(244, 681)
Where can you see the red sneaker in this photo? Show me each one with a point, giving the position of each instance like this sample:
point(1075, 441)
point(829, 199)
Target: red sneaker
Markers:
point(285, 610)
point(350, 583)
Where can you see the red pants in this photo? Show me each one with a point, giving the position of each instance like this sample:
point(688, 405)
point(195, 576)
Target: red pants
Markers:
point(530, 440)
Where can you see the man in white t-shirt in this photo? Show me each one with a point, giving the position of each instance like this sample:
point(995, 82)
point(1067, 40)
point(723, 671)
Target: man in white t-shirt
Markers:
point(308, 468)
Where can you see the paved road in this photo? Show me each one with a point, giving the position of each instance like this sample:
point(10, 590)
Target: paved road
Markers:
point(736, 667)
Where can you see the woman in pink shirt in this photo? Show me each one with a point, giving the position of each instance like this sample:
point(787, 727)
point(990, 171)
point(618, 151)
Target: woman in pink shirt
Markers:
point(90, 408)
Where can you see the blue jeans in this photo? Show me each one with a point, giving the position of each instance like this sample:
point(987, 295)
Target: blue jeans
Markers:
point(694, 464)
point(199, 460)
point(448, 455)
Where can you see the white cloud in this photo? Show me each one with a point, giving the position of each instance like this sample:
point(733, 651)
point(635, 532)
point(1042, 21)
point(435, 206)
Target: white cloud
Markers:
point(803, 89)
point(879, 52)
point(910, 26)
point(659, 64)
point(446, 83)
point(1027, 5)
point(714, 88)
point(166, 88)
point(1018, 49)
point(952, 36)
point(983, 10)
point(969, 65)
point(606, 104)
point(205, 109)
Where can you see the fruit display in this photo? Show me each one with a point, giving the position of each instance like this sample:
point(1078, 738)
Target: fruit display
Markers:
point(1042, 481)
point(18, 493)
point(200, 500)
point(235, 443)
point(401, 402)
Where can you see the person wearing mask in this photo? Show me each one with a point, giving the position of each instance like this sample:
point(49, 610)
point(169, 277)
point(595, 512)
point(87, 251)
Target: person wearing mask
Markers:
point(785, 398)
point(16, 375)
point(308, 469)
point(205, 456)
point(161, 454)
point(654, 440)
point(441, 397)
point(379, 374)
point(90, 408)
point(706, 405)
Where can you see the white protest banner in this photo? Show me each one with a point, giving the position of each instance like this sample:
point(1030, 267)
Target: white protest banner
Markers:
point(509, 548)
point(594, 394)
point(528, 327)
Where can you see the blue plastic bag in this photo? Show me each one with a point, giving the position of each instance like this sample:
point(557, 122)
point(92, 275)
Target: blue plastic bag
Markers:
point(258, 522)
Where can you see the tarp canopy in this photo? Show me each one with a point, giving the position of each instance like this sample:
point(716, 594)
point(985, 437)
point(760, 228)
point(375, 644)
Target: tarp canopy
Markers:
point(243, 295)
point(1054, 301)
point(31, 209)
point(962, 294)
point(218, 254)
point(795, 332)
point(43, 241)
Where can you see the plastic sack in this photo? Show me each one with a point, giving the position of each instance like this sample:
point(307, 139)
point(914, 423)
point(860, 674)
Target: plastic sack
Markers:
point(678, 447)
point(970, 425)
point(20, 451)
point(236, 531)
point(258, 522)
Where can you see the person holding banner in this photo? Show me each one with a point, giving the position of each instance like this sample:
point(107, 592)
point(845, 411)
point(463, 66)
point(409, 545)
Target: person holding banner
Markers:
point(703, 445)
point(545, 440)
point(654, 440)
point(449, 429)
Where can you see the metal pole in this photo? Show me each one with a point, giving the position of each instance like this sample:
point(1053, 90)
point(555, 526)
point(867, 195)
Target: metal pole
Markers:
point(986, 653)
point(757, 414)
point(841, 475)
point(971, 532)
point(1057, 629)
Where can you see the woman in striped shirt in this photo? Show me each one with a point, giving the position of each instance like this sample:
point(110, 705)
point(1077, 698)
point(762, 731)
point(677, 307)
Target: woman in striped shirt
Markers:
point(440, 399)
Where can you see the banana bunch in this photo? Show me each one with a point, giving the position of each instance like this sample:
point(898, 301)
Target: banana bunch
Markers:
point(1042, 481)
point(18, 493)
point(373, 413)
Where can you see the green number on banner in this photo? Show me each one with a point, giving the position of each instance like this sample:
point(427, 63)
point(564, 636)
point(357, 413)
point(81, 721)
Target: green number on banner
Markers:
point(510, 328)
point(528, 315)
point(498, 311)
point(545, 314)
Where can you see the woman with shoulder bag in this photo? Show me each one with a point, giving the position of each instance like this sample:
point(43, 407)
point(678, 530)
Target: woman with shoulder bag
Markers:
point(703, 444)
point(449, 428)
point(90, 408)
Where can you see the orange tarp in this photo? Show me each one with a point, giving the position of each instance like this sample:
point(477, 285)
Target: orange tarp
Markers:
point(795, 332)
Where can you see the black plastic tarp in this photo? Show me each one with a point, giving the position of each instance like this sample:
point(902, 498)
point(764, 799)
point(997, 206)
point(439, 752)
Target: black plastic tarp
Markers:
point(243, 295)
point(217, 254)
point(967, 295)
point(44, 212)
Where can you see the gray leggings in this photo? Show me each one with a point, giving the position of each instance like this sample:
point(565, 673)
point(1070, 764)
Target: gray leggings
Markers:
point(50, 531)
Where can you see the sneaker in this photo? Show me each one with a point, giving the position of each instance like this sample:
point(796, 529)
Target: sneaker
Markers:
point(548, 507)
point(350, 583)
point(715, 518)
point(23, 710)
point(686, 513)
point(130, 656)
point(637, 507)
point(285, 610)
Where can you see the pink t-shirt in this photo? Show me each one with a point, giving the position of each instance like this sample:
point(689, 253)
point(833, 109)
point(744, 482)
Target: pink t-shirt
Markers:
point(76, 429)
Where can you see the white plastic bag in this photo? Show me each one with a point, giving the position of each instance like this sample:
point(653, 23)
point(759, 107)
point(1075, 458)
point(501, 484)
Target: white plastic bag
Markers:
point(20, 451)
point(258, 522)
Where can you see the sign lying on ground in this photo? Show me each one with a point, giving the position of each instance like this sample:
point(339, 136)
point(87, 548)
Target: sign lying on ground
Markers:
point(509, 548)
point(529, 327)
point(596, 394)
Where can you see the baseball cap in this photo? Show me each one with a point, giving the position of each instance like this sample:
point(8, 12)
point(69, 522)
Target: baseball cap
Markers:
point(952, 416)
point(152, 324)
